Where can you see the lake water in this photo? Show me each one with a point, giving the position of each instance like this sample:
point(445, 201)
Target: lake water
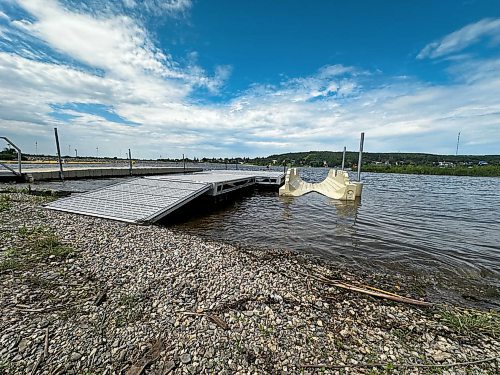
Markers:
point(442, 229)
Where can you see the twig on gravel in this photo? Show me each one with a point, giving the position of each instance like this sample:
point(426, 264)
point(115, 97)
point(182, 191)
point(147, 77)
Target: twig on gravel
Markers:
point(38, 361)
point(43, 354)
point(147, 359)
point(371, 291)
point(214, 318)
point(401, 365)
point(46, 346)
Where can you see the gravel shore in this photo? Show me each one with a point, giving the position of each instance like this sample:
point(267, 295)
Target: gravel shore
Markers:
point(81, 295)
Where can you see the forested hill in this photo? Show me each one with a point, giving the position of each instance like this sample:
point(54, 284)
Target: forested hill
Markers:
point(318, 158)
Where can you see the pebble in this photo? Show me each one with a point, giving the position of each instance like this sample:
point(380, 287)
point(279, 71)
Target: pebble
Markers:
point(166, 290)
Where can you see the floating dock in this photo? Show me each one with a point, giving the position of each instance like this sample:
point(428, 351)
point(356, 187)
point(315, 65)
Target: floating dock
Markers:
point(148, 199)
point(47, 174)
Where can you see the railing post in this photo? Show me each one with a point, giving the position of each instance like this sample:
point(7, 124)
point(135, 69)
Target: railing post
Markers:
point(360, 159)
point(19, 155)
point(130, 162)
point(61, 173)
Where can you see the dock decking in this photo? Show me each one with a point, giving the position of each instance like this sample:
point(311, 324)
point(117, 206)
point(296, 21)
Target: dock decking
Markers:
point(149, 199)
point(47, 174)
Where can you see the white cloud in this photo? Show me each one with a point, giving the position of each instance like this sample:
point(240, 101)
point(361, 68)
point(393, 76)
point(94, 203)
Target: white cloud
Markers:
point(463, 38)
point(4, 16)
point(146, 86)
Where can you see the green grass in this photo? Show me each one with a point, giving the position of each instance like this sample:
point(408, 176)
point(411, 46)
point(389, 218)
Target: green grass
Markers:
point(483, 171)
point(472, 321)
point(5, 202)
point(131, 310)
point(37, 245)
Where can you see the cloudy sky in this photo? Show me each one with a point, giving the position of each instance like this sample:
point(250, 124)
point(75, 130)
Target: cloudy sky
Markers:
point(250, 77)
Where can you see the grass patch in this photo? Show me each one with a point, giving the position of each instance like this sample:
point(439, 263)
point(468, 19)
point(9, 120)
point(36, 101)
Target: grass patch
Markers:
point(472, 321)
point(48, 245)
point(5, 202)
point(37, 244)
point(131, 310)
point(10, 265)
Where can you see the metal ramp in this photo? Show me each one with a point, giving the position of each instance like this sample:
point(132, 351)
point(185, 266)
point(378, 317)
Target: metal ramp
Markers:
point(139, 200)
point(149, 199)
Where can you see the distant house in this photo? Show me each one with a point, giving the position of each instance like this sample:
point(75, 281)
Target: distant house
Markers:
point(445, 164)
point(482, 162)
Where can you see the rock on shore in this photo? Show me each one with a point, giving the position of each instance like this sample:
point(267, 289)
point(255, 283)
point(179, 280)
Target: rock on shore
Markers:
point(81, 295)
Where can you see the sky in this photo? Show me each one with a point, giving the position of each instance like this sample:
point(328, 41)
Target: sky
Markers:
point(225, 78)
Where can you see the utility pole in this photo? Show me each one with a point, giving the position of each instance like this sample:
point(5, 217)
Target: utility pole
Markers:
point(69, 150)
point(97, 150)
point(76, 153)
point(36, 147)
point(458, 143)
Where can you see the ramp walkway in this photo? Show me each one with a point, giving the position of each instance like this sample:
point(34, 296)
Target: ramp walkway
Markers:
point(149, 199)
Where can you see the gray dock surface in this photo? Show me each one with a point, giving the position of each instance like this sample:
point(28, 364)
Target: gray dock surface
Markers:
point(149, 199)
point(47, 174)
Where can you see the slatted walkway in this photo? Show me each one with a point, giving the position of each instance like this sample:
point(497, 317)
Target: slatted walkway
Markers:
point(148, 199)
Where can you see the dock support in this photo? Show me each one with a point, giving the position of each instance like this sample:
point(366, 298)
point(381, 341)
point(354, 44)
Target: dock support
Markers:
point(360, 159)
point(130, 161)
point(343, 158)
point(61, 173)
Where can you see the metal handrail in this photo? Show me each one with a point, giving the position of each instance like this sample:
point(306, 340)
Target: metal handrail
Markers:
point(19, 156)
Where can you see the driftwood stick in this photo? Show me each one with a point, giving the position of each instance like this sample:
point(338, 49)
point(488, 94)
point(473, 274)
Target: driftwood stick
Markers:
point(374, 293)
point(402, 365)
point(371, 291)
point(43, 354)
point(46, 346)
point(35, 366)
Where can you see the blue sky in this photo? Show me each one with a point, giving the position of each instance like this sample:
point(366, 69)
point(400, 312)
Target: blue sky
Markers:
point(248, 78)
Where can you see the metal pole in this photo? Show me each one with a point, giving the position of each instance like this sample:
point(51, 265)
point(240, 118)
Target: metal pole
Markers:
point(343, 159)
point(360, 159)
point(19, 155)
point(184, 163)
point(130, 161)
point(61, 173)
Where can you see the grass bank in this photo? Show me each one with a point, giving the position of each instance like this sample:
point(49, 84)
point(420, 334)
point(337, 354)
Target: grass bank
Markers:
point(477, 171)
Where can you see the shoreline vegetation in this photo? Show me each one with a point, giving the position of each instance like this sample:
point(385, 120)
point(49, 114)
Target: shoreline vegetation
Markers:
point(82, 295)
point(404, 163)
point(473, 171)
